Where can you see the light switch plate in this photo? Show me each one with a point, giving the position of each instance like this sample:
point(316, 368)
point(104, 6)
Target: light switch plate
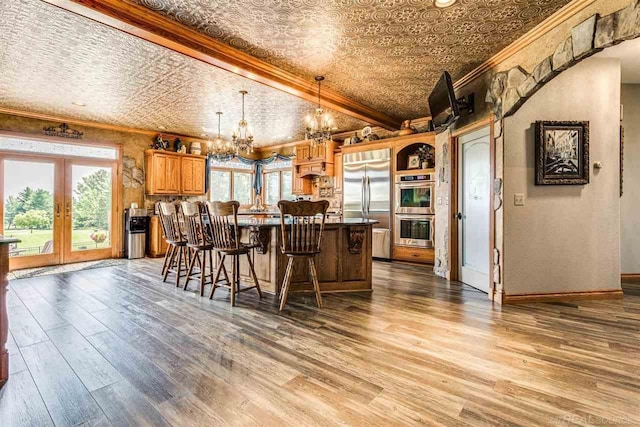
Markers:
point(518, 199)
point(439, 201)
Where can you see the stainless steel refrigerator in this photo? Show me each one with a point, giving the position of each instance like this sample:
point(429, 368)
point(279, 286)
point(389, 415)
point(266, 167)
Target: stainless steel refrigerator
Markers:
point(367, 194)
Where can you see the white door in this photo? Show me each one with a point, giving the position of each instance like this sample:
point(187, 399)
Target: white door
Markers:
point(474, 176)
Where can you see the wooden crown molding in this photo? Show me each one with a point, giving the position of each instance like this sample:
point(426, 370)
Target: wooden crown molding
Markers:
point(153, 27)
point(534, 34)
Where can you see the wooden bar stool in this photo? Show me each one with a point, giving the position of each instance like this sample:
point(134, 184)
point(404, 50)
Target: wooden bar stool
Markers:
point(226, 242)
point(199, 241)
point(177, 257)
point(301, 238)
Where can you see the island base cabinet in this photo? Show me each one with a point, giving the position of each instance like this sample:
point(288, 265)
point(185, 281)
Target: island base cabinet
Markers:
point(345, 264)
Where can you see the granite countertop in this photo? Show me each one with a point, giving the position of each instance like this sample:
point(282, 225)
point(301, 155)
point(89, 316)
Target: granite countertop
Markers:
point(275, 222)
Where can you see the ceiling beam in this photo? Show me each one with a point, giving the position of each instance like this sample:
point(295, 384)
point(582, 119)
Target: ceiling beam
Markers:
point(151, 26)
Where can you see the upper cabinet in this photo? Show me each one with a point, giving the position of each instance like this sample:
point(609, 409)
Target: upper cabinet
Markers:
point(314, 159)
point(193, 175)
point(173, 173)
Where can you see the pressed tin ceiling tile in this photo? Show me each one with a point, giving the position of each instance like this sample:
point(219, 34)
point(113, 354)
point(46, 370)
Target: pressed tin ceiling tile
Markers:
point(50, 58)
point(387, 54)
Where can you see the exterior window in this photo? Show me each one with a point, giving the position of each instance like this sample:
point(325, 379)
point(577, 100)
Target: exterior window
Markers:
point(277, 186)
point(220, 186)
point(228, 185)
point(286, 185)
point(272, 188)
point(242, 189)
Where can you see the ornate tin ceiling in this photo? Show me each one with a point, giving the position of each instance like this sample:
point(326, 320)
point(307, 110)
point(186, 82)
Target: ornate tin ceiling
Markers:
point(50, 58)
point(387, 54)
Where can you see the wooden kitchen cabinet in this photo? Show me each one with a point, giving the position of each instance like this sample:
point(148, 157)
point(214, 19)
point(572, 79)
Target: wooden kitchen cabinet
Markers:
point(300, 186)
point(337, 174)
point(174, 173)
point(308, 153)
point(157, 244)
point(303, 153)
point(193, 175)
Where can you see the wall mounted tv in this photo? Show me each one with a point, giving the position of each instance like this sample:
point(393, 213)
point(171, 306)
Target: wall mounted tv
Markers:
point(442, 103)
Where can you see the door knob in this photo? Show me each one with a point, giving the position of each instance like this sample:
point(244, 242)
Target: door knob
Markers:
point(459, 215)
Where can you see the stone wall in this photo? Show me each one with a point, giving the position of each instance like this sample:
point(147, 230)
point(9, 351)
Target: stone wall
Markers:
point(441, 265)
point(508, 90)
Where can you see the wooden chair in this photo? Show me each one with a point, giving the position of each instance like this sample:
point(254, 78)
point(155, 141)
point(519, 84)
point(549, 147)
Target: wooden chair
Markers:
point(301, 238)
point(200, 243)
point(176, 259)
point(223, 217)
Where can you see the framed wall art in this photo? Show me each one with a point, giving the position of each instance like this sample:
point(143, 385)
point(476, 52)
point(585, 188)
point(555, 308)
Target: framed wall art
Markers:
point(413, 162)
point(562, 153)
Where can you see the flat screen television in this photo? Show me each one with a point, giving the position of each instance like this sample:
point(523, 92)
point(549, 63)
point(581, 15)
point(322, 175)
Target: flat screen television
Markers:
point(442, 103)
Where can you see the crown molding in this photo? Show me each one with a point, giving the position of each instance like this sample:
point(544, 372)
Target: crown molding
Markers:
point(568, 11)
point(139, 21)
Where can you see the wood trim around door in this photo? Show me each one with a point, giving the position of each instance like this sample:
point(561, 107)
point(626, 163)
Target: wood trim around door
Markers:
point(454, 261)
point(117, 242)
point(68, 255)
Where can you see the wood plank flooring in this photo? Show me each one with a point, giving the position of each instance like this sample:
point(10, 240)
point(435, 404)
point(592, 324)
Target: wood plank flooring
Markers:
point(116, 346)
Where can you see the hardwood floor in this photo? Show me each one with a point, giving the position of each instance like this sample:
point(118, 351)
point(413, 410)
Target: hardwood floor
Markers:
point(116, 346)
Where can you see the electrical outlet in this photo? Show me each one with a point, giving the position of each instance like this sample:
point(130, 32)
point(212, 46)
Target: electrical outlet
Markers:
point(518, 199)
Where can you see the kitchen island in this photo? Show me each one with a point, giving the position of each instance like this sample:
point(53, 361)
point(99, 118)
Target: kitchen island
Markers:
point(343, 266)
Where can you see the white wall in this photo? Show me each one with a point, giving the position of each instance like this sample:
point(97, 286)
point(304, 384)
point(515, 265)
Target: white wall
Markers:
point(630, 202)
point(565, 238)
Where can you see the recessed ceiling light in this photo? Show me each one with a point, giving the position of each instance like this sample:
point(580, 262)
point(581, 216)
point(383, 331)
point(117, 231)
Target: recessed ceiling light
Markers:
point(79, 104)
point(444, 3)
point(289, 137)
point(203, 134)
point(161, 127)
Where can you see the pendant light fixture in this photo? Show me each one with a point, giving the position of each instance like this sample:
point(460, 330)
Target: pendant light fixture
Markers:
point(318, 126)
point(220, 149)
point(242, 138)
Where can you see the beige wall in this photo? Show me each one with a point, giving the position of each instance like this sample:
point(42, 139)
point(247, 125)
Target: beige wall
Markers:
point(630, 201)
point(566, 238)
point(133, 144)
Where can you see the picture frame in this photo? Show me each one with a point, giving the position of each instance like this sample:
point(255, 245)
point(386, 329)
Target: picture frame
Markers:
point(413, 162)
point(347, 141)
point(562, 153)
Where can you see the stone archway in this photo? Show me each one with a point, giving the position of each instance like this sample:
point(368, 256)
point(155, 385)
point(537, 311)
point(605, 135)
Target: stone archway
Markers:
point(508, 90)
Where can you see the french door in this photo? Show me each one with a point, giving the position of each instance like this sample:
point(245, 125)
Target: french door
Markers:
point(62, 210)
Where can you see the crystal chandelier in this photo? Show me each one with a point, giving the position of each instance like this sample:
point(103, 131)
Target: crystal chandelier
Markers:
point(319, 124)
point(220, 149)
point(242, 138)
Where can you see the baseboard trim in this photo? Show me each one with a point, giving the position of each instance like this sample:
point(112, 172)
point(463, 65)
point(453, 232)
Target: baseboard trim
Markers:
point(562, 296)
point(635, 277)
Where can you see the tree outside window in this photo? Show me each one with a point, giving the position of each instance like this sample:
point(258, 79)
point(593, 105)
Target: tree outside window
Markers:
point(225, 185)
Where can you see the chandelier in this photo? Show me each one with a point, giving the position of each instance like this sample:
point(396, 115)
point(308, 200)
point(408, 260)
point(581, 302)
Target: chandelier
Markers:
point(220, 149)
point(319, 124)
point(242, 138)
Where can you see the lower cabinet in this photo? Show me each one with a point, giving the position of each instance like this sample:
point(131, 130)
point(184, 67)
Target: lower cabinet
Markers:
point(157, 245)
